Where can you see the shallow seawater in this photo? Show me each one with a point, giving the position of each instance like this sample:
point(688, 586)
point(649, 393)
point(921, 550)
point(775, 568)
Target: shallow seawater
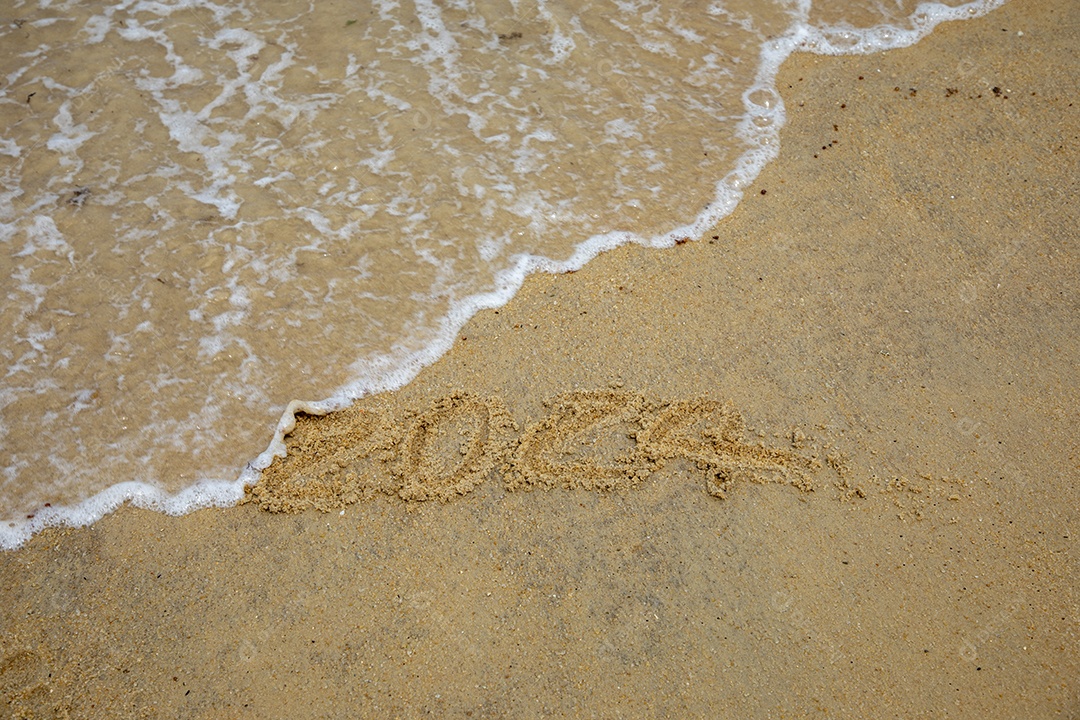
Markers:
point(209, 210)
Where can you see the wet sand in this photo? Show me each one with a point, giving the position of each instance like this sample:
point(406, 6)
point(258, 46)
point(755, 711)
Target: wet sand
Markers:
point(888, 320)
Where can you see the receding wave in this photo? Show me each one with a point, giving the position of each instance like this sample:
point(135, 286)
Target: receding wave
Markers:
point(211, 209)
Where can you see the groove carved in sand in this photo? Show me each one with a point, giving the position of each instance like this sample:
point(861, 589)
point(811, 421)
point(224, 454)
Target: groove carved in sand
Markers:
point(588, 440)
point(452, 447)
point(710, 434)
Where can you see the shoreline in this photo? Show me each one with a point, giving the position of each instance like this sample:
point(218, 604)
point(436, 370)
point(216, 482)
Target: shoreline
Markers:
point(758, 130)
point(894, 287)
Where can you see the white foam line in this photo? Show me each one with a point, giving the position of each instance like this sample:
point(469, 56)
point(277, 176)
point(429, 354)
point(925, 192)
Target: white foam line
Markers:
point(927, 16)
point(761, 102)
point(203, 494)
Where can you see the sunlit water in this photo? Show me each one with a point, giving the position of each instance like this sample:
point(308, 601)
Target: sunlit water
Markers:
point(208, 210)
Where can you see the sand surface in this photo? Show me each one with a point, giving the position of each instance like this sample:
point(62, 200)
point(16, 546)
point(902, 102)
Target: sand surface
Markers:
point(822, 462)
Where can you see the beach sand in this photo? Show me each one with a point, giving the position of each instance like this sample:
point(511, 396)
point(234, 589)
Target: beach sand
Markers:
point(840, 433)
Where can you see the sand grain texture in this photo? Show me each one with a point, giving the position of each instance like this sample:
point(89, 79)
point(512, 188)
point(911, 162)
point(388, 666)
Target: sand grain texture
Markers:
point(896, 299)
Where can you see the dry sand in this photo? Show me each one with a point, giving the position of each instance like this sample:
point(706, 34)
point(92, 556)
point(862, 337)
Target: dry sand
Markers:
point(884, 334)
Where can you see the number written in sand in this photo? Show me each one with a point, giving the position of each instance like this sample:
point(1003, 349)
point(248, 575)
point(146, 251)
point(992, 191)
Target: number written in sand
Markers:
point(452, 447)
point(341, 462)
point(588, 440)
point(597, 440)
point(710, 434)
